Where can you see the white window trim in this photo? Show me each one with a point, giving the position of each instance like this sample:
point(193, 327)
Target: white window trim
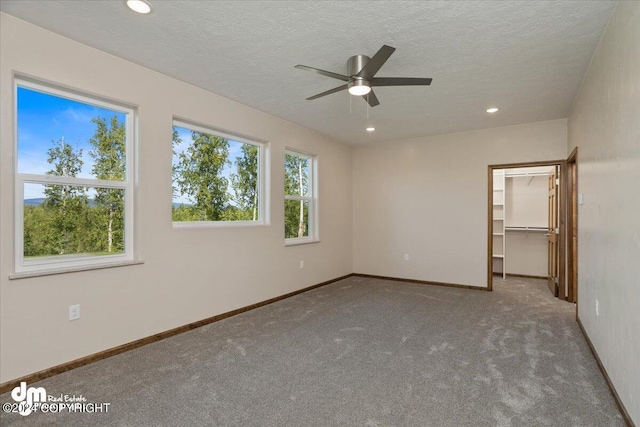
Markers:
point(263, 150)
point(55, 264)
point(312, 198)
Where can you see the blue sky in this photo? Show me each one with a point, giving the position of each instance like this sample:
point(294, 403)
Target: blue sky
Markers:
point(44, 118)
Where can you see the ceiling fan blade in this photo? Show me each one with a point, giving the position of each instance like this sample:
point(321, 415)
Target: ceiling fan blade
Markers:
point(328, 92)
point(323, 72)
point(371, 99)
point(400, 81)
point(378, 60)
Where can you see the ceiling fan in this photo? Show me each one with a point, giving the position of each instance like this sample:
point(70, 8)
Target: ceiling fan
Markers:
point(360, 80)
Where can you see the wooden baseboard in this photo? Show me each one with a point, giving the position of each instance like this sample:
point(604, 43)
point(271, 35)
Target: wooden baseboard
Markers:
point(528, 276)
point(55, 370)
point(614, 392)
point(422, 282)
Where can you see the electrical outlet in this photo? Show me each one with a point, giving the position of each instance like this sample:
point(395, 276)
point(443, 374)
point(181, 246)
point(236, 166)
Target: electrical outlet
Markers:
point(597, 308)
point(406, 257)
point(74, 312)
point(301, 264)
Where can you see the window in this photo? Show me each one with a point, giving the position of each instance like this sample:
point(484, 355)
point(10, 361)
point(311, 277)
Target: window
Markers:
point(217, 178)
point(300, 225)
point(74, 192)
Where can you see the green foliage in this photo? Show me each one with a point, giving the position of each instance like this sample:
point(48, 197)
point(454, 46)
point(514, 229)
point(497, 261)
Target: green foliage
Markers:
point(198, 174)
point(175, 141)
point(296, 219)
point(245, 184)
point(53, 229)
point(109, 151)
point(296, 175)
point(66, 162)
point(67, 222)
point(296, 183)
point(40, 235)
point(185, 213)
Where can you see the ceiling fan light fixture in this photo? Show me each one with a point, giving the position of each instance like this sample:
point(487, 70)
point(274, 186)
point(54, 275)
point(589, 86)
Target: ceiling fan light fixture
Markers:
point(359, 87)
point(361, 76)
point(370, 129)
point(139, 6)
point(492, 110)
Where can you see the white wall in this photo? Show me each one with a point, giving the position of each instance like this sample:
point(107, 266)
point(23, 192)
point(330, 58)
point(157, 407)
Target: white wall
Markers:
point(188, 274)
point(605, 126)
point(428, 197)
point(526, 201)
point(527, 253)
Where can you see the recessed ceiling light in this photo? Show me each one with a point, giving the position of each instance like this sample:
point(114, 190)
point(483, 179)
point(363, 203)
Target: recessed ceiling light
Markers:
point(492, 110)
point(140, 6)
point(370, 129)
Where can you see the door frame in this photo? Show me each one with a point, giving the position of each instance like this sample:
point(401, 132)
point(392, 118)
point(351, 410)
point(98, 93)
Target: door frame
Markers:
point(572, 226)
point(562, 214)
point(553, 233)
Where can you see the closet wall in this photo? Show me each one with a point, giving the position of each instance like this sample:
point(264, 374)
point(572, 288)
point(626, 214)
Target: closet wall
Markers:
point(526, 220)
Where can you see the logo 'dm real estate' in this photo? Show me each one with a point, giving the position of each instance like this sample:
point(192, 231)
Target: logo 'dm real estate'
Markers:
point(28, 397)
point(35, 399)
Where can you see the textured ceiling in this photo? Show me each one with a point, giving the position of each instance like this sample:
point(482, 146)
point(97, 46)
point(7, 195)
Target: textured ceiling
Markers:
point(526, 57)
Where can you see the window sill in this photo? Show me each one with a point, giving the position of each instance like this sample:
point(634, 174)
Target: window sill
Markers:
point(216, 224)
point(65, 270)
point(296, 242)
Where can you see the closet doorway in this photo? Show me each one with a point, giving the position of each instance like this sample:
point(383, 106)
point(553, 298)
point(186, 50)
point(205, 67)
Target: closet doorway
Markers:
point(527, 223)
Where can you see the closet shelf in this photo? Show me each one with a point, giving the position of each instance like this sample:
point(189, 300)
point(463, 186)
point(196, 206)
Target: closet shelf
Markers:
point(497, 212)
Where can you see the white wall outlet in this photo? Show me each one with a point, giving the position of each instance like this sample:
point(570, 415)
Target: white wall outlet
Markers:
point(406, 257)
point(74, 312)
point(597, 308)
point(301, 264)
point(580, 199)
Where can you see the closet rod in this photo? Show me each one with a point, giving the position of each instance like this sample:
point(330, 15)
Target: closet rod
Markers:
point(528, 174)
point(526, 228)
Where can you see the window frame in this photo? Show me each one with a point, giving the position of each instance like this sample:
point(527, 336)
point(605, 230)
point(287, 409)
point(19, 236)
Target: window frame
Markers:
point(311, 197)
point(262, 178)
point(61, 263)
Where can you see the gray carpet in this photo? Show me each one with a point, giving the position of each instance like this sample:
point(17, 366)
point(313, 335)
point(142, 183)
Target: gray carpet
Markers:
point(359, 352)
